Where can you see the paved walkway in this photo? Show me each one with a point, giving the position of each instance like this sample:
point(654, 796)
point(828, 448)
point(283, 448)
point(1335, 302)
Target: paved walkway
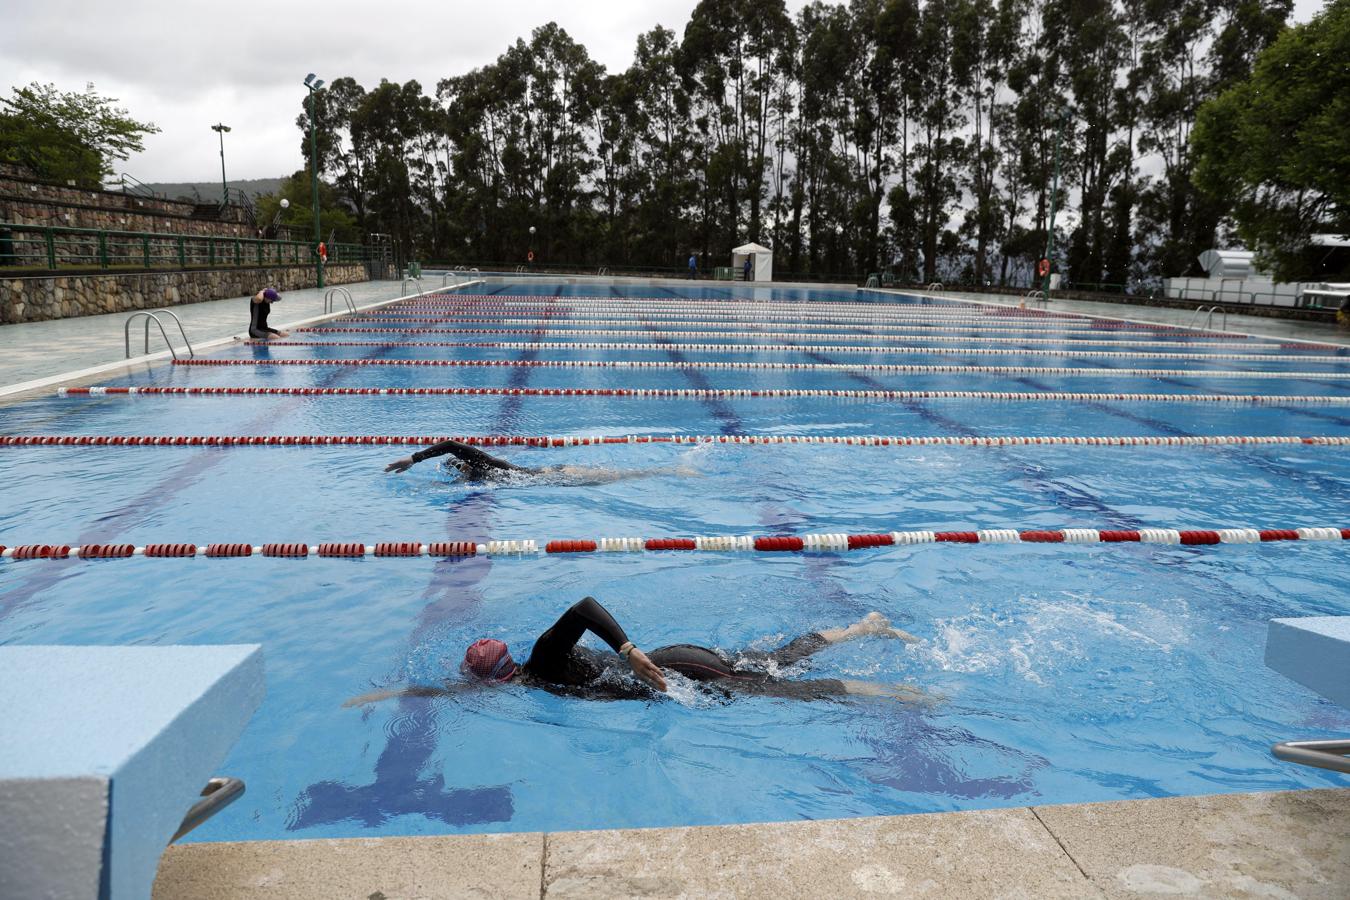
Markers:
point(1293, 844)
point(33, 350)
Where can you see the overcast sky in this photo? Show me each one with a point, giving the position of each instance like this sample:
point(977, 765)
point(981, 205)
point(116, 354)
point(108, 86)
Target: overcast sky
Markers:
point(187, 64)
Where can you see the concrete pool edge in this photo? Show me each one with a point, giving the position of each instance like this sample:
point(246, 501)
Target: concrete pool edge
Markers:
point(24, 389)
point(1261, 844)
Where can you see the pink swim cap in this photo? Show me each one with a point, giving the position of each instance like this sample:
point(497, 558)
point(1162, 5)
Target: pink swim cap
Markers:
point(488, 658)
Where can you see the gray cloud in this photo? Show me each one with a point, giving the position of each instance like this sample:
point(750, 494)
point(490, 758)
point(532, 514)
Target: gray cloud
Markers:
point(187, 64)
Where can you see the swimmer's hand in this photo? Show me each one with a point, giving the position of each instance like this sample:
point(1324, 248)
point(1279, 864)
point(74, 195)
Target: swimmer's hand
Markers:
point(647, 670)
point(401, 465)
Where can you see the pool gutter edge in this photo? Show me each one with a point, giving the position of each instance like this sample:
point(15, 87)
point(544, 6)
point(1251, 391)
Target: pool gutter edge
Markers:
point(1261, 844)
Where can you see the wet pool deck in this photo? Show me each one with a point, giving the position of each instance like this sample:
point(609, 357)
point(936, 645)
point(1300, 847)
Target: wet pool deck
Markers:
point(1272, 845)
point(1282, 845)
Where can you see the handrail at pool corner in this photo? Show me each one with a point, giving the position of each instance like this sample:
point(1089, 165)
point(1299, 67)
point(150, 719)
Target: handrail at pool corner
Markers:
point(151, 315)
point(1333, 755)
point(219, 793)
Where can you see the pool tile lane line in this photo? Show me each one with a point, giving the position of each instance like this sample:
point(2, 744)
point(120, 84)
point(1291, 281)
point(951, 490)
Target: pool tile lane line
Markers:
point(700, 393)
point(804, 543)
point(1279, 844)
point(545, 442)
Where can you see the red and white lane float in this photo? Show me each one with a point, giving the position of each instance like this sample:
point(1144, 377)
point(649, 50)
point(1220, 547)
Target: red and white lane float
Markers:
point(560, 324)
point(846, 332)
point(709, 393)
point(897, 349)
point(805, 543)
point(544, 441)
point(648, 336)
point(893, 368)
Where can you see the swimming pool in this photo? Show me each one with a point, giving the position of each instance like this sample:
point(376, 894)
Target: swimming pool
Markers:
point(1072, 672)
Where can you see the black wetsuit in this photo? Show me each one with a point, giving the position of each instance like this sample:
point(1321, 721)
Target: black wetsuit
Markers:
point(557, 664)
point(473, 464)
point(257, 319)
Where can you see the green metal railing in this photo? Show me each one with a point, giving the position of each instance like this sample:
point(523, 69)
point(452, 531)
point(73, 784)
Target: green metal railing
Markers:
point(51, 248)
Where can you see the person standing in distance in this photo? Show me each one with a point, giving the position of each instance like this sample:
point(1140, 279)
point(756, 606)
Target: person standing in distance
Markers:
point(693, 265)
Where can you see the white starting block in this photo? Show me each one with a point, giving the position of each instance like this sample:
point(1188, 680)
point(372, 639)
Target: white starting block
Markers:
point(103, 751)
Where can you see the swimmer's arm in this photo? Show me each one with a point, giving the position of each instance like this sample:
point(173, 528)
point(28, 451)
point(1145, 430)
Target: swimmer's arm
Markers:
point(471, 455)
point(589, 615)
point(414, 690)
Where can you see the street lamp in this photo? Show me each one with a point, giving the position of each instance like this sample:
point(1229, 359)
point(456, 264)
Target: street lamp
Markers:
point(224, 190)
point(314, 84)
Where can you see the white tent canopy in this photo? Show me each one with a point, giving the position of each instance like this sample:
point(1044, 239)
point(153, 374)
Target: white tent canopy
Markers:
point(761, 261)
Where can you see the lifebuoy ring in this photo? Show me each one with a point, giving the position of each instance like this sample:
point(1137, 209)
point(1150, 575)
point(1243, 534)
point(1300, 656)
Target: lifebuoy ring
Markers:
point(529, 257)
point(323, 252)
point(1043, 267)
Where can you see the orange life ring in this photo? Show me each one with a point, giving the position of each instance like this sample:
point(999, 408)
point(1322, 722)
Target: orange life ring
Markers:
point(529, 257)
point(323, 252)
point(1043, 267)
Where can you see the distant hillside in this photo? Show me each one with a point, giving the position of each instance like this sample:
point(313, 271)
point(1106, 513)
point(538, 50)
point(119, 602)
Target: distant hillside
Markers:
point(210, 190)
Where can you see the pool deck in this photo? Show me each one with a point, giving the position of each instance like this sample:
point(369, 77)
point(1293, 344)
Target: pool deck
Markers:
point(1271, 845)
point(1286, 844)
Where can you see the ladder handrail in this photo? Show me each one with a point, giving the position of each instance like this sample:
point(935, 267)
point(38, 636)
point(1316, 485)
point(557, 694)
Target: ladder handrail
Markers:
point(936, 286)
point(218, 794)
point(415, 282)
point(338, 291)
point(1333, 755)
point(1209, 317)
point(149, 315)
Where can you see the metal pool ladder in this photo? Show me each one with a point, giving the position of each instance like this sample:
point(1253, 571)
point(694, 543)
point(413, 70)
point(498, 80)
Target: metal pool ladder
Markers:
point(329, 299)
point(218, 794)
point(1333, 755)
point(149, 315)
point(1209, 317)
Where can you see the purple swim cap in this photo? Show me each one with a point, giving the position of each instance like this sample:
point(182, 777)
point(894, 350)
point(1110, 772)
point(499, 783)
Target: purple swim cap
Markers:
point(271, 296)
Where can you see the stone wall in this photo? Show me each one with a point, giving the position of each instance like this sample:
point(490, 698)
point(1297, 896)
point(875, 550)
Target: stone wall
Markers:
point(64, 296)
point(24, 201)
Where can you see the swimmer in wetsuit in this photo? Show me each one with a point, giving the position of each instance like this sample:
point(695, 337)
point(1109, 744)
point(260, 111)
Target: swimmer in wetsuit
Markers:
point(558, 664)
point(476, 466)
point(258, 309)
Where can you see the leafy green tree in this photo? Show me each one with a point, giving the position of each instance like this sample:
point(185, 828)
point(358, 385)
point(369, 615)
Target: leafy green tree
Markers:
point(298, 218)
point(1277, 144)
point(67, 136)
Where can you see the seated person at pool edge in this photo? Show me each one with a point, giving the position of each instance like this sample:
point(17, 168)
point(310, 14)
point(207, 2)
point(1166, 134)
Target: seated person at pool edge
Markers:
point(559, 665)
point(475, 465)
point(258, 309)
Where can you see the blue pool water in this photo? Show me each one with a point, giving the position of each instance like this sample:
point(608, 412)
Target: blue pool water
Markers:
point(1072, 673)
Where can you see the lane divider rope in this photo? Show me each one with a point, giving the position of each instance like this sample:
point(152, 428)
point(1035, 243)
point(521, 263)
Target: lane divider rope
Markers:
point(564, 327)
point(792, 348)
point(819, 543)
point(970, 325)
point(734, 303)
point(1073, 340)
point(818, 367)
point(696, 315)
point(545, 441)
point(706, 393)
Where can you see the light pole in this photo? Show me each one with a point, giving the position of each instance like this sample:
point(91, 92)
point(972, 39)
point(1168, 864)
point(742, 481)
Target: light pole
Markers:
point(1054, 190)
point(530, 256)
point(314, 84)
point(220, 129)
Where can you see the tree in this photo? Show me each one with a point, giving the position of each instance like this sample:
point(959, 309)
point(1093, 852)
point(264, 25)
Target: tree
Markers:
point(1277, 144)
point(67, 136)
point(297, 190)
